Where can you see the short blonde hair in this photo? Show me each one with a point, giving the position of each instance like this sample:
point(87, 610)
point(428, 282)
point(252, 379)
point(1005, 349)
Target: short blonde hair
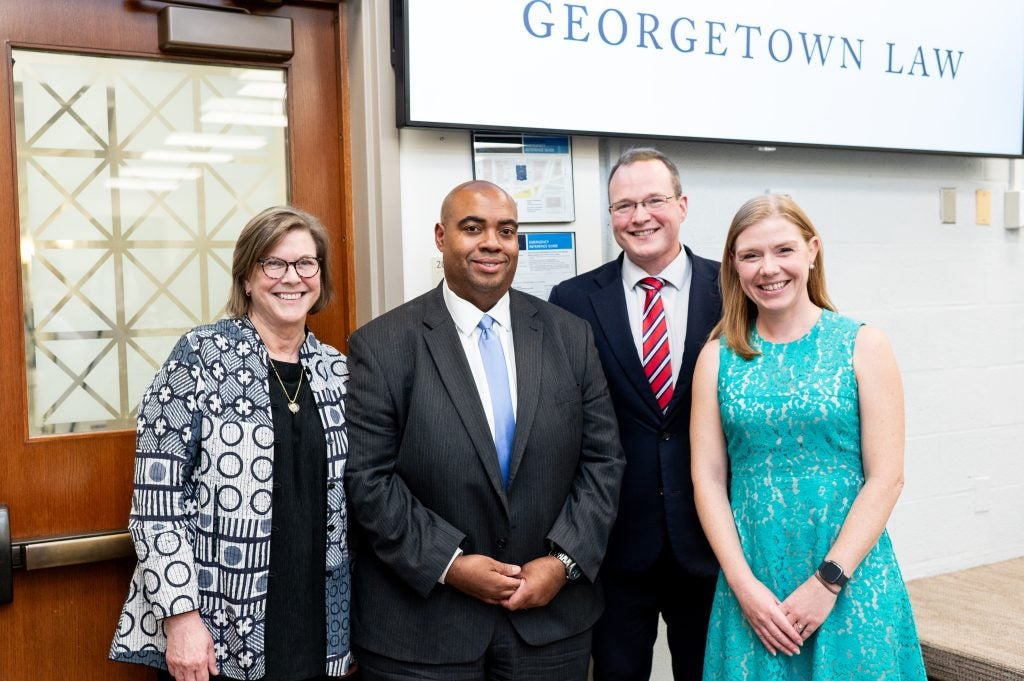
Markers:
point(260, 235)
point(738, 311)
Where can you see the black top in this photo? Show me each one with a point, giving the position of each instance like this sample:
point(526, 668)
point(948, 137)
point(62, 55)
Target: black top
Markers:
point(296, 638)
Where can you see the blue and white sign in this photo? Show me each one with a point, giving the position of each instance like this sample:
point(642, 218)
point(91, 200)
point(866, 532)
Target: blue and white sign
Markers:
point(923, 75)
point(545, 259)
point(536, 171)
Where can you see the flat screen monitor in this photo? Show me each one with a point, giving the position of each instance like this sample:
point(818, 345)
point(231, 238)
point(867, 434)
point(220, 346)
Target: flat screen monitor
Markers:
point(916, 75)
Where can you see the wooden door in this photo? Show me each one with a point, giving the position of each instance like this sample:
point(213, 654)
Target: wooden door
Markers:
point(61, 620)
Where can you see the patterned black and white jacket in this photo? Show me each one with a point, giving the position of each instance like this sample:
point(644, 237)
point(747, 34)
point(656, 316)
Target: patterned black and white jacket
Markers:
point(201, 510)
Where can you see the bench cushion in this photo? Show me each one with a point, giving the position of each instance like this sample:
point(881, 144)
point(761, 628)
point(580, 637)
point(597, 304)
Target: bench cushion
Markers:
point(971, 622)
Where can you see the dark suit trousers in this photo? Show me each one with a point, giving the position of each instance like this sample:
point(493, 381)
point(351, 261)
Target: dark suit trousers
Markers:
point(507, 658)
point(624, 636)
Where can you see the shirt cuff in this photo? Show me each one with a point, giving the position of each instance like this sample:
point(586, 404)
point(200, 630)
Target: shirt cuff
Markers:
point(440, 580)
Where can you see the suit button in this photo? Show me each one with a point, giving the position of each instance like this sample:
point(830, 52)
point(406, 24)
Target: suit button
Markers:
point(501, 543)
point(665, 436)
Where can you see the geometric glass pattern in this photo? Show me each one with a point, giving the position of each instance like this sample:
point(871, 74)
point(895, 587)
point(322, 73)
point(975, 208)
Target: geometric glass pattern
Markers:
point(135, 177)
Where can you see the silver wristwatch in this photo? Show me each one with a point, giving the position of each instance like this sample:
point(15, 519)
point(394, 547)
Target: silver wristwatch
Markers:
point(572, 570)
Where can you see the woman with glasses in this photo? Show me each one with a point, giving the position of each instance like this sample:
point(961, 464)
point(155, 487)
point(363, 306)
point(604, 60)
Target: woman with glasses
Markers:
point(797, 439)
point(238, 514)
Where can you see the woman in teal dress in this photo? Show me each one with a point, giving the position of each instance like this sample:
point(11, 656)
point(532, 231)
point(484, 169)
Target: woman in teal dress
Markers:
point(797, 438)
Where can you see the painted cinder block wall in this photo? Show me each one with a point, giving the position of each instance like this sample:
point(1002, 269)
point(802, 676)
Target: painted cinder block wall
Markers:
point(950, 297)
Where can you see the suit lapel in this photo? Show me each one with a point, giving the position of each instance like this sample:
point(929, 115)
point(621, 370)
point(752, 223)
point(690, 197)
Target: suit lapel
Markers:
point(442, 339)
point(609, 302)
point(528, 339)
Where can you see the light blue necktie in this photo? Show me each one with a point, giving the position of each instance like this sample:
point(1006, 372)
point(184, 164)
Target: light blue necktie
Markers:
point(501, 395)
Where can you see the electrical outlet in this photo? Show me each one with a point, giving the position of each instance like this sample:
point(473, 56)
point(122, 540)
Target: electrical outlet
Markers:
point(947, 205)
point(982, 494)
point(982, 207)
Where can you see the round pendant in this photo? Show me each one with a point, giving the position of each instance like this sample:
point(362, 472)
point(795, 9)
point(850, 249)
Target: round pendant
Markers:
point(293, 407)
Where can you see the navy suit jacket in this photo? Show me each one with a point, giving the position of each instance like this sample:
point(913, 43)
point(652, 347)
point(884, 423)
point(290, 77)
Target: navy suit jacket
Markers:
point(657, 491)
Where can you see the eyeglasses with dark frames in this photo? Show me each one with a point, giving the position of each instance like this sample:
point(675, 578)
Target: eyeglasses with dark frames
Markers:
point(652, 204)
point(275, 268)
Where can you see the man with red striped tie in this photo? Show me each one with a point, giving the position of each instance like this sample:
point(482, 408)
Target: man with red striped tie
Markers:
point(651, 310)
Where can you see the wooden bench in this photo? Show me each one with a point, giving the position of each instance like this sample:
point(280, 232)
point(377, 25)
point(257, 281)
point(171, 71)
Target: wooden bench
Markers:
point(971, 622)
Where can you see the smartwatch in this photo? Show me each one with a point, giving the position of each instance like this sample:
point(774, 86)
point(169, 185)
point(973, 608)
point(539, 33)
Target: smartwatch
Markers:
point(833, 573)
point(572, 570)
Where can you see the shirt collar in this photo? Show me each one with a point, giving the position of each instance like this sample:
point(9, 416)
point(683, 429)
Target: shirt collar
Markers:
point(466, 315)
point(675, 272)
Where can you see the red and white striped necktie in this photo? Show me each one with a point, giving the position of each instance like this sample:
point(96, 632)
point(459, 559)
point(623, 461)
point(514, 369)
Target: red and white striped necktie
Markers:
point(657, 359)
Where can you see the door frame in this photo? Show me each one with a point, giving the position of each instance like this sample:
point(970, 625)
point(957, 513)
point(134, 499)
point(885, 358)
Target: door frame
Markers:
point(80, 484)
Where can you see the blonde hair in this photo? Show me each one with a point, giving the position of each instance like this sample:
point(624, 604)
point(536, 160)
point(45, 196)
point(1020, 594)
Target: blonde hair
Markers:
point(259, 236)
point(738, 311)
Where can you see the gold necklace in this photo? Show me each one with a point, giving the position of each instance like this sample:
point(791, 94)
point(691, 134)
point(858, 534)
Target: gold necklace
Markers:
point(293, 405)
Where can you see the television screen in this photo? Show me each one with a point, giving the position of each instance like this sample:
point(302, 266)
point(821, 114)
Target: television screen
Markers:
point(918, 75)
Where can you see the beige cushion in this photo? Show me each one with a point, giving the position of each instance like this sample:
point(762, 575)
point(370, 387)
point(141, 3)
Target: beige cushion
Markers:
point(971, 622)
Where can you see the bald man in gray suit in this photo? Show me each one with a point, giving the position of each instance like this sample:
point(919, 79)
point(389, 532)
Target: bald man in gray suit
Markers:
point(480, 554)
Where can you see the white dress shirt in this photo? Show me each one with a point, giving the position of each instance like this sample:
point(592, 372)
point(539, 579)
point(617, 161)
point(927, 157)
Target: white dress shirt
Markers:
point(675, 296)
point(467, 316)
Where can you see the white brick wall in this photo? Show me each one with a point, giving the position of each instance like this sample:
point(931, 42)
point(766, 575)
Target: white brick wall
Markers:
point(950, 297)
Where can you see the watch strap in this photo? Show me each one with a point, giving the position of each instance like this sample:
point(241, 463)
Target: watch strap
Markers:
point(572, 570)
point(833, 573)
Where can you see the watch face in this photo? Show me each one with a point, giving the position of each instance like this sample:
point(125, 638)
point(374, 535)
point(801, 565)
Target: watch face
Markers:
point(575, 572)
point(830, 572)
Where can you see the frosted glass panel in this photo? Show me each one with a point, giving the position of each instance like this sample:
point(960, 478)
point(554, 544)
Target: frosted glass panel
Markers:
point(134, 179)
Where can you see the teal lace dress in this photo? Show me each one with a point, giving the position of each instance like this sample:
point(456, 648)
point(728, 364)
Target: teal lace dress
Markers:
point(792, 425)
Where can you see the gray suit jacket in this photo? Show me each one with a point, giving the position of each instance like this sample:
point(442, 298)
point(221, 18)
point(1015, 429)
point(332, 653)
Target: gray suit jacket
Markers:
point(423, 477)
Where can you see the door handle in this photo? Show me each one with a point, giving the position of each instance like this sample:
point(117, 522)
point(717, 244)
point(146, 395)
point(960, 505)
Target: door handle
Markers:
point(49, 552)
point(6, 558)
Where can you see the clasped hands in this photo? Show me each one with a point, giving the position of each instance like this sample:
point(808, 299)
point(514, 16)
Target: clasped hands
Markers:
point(513, 587)
point(783, 626)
